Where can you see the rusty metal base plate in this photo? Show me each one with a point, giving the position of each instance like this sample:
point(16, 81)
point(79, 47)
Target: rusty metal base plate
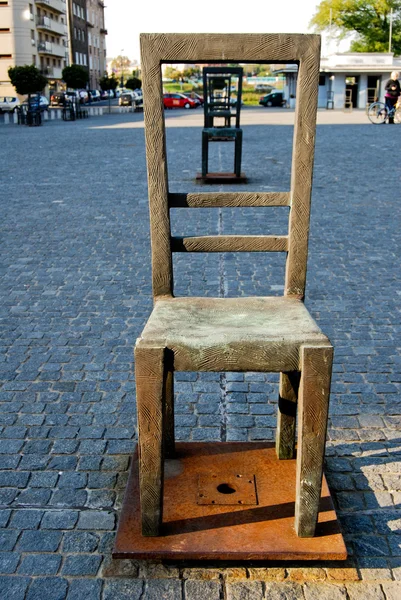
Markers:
point(226, 488)
point(221, 178)
point(194, 531)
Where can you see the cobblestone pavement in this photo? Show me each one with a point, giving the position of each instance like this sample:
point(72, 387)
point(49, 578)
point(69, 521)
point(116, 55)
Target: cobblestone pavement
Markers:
point(75, 293)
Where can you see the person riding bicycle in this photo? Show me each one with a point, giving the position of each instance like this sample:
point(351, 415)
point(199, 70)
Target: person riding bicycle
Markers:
point(393, 90)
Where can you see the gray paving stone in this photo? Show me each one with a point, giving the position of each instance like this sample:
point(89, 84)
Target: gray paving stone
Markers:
point(284, 591)
point(162, 589)
point(123, 589)
point(96, 520)
point(85, 589)
point(364, 591)
point(392, 590)
point(47, 588)
point(13, 588)
point(39, 564)
point(62, 519)
point(81, 565)
point(9, 562)
point(39, 541)
point(207, 590)
point(8, 540)
point(244, 590)
point(324, 591)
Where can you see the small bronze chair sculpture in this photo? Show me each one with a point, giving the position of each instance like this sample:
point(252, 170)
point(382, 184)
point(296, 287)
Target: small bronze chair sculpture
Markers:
point(217, 88)
point(271, 334)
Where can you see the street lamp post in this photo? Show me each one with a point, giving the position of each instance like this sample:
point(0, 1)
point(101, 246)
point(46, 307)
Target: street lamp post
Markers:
point(122, 69)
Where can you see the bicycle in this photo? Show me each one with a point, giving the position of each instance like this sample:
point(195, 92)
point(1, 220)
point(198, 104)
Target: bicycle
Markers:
point(378, 113)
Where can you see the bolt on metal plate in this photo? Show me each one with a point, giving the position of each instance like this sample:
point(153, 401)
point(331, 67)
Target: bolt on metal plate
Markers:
point(227, 488)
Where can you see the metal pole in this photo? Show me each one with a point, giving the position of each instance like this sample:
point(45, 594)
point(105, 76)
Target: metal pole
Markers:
point(391, 30)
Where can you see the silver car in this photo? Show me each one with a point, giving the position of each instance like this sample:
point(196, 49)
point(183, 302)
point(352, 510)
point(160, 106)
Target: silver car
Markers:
point(8, 103)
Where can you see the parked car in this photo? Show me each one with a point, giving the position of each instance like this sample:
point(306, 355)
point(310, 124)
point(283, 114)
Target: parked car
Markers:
point(178, 101)
point(273, 99)
point(95, 95)
point(127, 99)
point(199, 99)
point(8, 103)
point(57, 99)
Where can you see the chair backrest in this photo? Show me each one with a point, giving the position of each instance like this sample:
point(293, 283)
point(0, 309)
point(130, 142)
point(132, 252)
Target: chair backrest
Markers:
point(217, 88)
point(231, 48)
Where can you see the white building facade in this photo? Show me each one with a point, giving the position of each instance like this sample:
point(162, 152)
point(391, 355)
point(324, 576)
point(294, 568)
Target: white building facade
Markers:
point(347, 80)
point(33, 33)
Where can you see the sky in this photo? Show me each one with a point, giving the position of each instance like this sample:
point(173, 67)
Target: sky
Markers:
point(126, 19)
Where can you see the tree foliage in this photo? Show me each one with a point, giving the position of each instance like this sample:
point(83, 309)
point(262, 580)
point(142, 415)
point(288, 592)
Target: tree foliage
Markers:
point(368, 20)
point(27, 79)
point(108, 83)
point(75, 76)
point(133, 83)
point(120, 65)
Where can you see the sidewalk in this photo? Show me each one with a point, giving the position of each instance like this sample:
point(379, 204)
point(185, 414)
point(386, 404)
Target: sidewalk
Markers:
point(74, 294)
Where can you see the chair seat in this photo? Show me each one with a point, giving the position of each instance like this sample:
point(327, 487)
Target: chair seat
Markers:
point(232, 334)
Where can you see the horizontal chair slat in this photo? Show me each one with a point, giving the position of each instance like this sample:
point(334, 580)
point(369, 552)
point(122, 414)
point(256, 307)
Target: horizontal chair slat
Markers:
point(229, 199)
point(230, 243)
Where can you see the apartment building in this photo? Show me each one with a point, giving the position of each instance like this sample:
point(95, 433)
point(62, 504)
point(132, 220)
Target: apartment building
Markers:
point(78, 33)
point(33, 33)
point(96, 42)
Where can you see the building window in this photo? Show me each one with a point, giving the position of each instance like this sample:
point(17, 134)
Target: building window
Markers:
point(5, 4)
point(77, 58)
point(75, 33)
point(59, 62)
point(4, 30)
point(83, 35)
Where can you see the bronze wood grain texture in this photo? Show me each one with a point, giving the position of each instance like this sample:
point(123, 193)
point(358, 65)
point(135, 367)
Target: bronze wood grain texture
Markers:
point(229, 199)
point(230, 243)
point(286, 415)
point(224, 48)
point(150, 388)
point(313, 401)
point(302, 170)
point(169, 437)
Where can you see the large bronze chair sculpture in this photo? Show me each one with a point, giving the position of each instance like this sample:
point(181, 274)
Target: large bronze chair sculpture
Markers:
point(217, 107)
point(269, 334)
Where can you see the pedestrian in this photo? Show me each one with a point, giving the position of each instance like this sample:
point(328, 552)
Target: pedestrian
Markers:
point(393, 90)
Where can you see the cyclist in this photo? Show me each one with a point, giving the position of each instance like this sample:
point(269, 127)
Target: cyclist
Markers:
point(393, 90)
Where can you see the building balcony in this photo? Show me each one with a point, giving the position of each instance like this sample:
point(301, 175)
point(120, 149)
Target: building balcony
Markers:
point(44, 23)
point(52, 49)
point(56, 5)
point(52, 72)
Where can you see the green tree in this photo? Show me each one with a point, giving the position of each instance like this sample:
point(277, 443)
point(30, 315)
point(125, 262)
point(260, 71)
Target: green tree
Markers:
point(27, 79)
point(172, 73)
point(108, 83)
point(133, 83)
point(368, 20)
point(75, 76)
point(120, 66)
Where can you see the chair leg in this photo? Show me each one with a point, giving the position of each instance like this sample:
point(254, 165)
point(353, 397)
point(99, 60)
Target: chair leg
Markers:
point(205, 153)
point(150, 389)
point(313, 401)
point(286, 418)
point(238, 153)
point(169, 438)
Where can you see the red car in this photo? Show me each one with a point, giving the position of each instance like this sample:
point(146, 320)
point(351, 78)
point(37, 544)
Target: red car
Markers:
point(178, 101)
